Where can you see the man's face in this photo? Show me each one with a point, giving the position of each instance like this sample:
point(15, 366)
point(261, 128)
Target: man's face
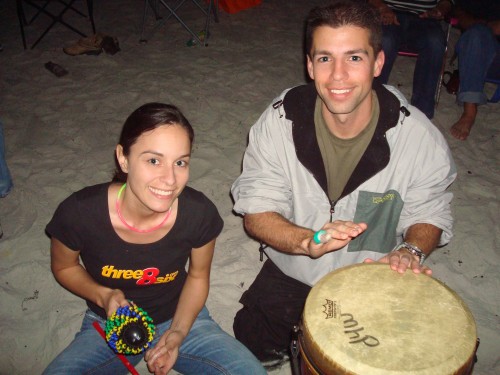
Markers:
point(342, 64)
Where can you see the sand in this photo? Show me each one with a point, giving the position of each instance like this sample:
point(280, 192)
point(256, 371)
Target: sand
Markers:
point(61, 132)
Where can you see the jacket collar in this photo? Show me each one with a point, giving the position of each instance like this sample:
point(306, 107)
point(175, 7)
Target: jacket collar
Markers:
point(299, 105)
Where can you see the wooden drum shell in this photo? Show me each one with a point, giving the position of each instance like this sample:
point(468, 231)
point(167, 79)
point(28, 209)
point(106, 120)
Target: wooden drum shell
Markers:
point(369, 319)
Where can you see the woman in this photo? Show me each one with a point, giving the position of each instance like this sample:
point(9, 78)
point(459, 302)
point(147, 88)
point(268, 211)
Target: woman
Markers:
point(135, 236)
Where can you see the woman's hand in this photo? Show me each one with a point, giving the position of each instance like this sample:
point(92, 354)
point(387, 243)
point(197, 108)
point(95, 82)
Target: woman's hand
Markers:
point(112, 300)
point(162, 357)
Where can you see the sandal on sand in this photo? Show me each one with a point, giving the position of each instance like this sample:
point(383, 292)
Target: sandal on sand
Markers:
point(86, 46)
point(56, 69)
point(93, 45)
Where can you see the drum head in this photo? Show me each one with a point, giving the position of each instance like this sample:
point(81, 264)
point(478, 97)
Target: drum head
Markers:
point(368, 319)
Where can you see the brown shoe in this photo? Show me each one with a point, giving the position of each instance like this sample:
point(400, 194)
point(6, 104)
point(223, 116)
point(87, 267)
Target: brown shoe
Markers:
point(91, 45)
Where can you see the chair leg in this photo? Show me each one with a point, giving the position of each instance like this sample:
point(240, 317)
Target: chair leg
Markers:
point(22, 20)
point(172, 9)
point(215, 10)
point(90, 10)
point(438, 88)
point(158, 18)
point(440, 82)
point(207, 24)
point(56, 18)
point(144, 16)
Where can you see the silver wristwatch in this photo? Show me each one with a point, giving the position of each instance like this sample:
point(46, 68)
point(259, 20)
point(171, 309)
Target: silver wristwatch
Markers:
point(414, 250)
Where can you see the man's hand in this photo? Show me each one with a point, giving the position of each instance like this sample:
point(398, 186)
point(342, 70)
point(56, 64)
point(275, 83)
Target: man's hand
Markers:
point(434, 13)
point(401, 260)
point(442, 9)
point(333, 236)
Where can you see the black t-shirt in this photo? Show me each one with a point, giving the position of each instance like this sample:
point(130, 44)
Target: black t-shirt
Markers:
point(151, 275)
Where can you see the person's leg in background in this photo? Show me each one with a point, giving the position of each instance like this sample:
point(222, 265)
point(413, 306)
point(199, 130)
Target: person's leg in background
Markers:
point(429, 39)
point(478, 52)
point(392, 38)
point(5, 177)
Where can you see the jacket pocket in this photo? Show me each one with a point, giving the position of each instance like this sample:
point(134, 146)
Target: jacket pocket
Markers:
point(381, 212)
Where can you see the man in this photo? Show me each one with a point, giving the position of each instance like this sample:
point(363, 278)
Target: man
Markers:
point(415, 26)
point(478, 51)
point(340, 152)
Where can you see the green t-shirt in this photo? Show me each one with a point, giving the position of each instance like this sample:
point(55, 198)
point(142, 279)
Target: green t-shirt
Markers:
point(340, 156)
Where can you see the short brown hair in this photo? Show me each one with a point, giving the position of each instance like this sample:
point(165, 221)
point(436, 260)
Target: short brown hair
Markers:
point(345, 13)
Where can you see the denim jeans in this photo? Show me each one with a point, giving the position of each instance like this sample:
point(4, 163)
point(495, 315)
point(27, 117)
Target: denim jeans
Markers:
point(206, 350)
point(5, 178)
point(425, 37)
point(478, 53)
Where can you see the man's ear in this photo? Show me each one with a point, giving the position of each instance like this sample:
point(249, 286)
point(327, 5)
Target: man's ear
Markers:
point(122, 159)
point(379, 63)
point(310, 68)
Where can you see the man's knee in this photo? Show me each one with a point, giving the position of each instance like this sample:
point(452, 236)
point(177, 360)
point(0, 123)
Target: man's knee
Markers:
point(252, 330)
point(478, 36)
point(391, 39)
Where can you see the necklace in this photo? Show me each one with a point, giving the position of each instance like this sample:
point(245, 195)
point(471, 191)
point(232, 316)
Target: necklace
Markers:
point(130, 226)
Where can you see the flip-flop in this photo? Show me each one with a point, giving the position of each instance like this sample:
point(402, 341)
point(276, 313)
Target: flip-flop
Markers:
point(56, 69)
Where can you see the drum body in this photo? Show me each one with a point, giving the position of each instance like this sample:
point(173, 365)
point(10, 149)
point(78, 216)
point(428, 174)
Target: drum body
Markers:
point(367, 319)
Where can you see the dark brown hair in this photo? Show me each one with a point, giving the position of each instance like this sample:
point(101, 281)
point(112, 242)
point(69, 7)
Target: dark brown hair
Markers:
point(146, 118)
point(345, 13)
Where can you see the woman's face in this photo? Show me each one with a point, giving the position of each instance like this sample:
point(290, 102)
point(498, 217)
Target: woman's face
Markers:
point(157, 167)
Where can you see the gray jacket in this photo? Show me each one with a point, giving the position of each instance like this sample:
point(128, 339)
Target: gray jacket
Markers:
point(400, 180)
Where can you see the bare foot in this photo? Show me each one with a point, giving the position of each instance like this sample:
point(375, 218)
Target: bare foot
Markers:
point(461, 129)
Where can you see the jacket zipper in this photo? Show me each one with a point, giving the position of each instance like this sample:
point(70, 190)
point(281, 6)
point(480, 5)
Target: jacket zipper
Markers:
point(332, 208)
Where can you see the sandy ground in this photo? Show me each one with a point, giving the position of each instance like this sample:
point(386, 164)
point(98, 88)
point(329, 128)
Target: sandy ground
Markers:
point(61, 132)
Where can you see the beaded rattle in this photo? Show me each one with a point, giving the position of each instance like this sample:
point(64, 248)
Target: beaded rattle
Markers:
point(129, 330)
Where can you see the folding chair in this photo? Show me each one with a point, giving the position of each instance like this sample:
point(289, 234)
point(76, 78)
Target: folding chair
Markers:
point(211, 8)
point(406, 52)
point(56, 14)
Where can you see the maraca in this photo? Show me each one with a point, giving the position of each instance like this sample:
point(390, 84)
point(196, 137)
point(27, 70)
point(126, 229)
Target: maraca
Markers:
point(129, 330)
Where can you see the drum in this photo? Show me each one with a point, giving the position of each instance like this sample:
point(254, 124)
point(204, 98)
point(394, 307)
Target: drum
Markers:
point(367, 319)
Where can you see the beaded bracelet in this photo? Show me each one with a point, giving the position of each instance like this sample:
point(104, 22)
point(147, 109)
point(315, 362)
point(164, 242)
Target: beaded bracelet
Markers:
point(129, 330)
